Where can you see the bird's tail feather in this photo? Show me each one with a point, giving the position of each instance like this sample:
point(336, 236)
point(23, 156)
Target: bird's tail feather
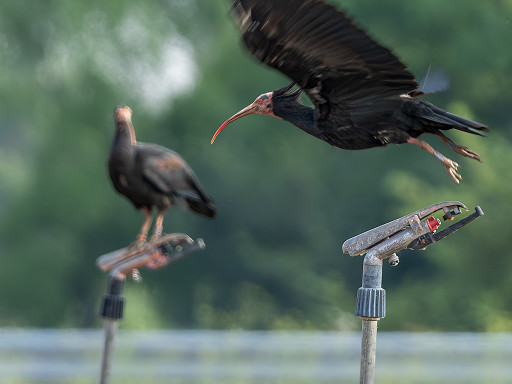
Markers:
point(198, 202)
point(442, 118)
point(203, 207)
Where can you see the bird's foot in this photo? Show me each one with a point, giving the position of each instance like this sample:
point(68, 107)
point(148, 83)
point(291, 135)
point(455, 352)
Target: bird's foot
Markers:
point(465, 151)
point(138, 244)
point(157, 259)
point(451, 167)
point(155, 237)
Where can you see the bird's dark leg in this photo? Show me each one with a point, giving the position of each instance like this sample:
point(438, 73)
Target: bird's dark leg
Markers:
point(143, 234)
point(159, 226)
point(450, 165)
point(460, 149)
point(158, 259)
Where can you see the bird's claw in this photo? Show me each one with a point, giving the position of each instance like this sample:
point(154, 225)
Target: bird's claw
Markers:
point(155, 237)
point(465, 151)
point(451, 167)
point(137, 245)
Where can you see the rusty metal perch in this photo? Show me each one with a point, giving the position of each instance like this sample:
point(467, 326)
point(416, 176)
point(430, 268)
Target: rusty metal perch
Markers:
point(384, 242)
point(158, 254)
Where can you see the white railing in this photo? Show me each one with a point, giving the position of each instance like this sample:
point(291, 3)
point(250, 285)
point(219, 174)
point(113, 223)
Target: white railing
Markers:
point(73, 356)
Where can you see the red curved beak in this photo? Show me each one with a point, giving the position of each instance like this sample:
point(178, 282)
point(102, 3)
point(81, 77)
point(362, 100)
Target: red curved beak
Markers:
point(249, 110)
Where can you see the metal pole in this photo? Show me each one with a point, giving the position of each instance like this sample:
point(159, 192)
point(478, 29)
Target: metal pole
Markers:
point(106, 362)
point(168, 249)
point(383, 242)
point(368, 350)
point(112, 312)
point(371, 307)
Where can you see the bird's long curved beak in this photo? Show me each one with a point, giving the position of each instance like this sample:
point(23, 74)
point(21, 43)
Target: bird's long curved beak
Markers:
point(249, 110)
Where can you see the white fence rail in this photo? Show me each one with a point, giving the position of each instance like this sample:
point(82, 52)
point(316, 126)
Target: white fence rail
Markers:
point(73, 356)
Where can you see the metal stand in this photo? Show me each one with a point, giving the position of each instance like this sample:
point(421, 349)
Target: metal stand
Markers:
point(154, 255)
point(112, 312)
point(382, 243)
point(368, 349)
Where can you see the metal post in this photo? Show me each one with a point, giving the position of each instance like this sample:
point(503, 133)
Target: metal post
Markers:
point(368, 350)
point(112, 312)
point(414, 231)
point(371, 307)
point(106, 361)
point(168, 249)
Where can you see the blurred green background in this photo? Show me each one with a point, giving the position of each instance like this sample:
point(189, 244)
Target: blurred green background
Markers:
point(286, 201)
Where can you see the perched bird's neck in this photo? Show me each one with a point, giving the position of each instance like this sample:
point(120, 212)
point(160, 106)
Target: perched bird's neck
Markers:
point(122, 153)
point(300, 115)
point(125, 135)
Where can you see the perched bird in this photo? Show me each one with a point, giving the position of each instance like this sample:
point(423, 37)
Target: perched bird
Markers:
point(151, 176)
point(363, 95)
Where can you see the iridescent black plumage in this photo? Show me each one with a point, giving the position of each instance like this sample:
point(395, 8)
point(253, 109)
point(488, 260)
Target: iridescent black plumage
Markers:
point(151, 176)
point(363, 95)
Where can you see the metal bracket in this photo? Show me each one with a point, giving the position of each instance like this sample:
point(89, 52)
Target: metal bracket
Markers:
point(361, 244)
point(157, 254)
point(429, 238)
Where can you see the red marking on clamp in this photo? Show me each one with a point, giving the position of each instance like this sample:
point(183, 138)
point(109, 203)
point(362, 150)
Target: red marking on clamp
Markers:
point(433, 224)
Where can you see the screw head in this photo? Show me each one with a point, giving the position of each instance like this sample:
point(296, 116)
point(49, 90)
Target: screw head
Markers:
point(393, 260)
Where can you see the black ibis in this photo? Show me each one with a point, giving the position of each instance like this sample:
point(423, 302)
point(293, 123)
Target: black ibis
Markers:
point(151, 176)
point(363, 95)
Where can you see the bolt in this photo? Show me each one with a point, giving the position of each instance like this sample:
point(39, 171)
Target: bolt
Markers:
point(393, 260)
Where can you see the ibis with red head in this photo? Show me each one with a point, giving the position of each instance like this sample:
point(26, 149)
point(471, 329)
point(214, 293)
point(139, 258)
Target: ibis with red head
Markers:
point(151, 176)
point(363, 96)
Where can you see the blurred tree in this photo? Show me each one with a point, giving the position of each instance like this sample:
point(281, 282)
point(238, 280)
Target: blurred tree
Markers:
point(286, 201)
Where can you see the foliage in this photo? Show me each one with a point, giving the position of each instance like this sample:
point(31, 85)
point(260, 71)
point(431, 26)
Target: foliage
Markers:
point(286, 201)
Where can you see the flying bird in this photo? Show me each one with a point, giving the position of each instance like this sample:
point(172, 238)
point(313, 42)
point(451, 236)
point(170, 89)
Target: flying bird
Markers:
point(363, 95)
point(151, 176)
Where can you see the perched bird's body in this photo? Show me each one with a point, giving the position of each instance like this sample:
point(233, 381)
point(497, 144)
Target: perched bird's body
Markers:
point(151, 176)
point(363, 95)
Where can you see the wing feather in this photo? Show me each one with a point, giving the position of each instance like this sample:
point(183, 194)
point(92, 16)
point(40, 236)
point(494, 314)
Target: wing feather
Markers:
point(165, 170)
point(320, 49)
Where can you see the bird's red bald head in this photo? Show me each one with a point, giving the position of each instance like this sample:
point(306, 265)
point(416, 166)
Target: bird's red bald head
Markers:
point(123, 114)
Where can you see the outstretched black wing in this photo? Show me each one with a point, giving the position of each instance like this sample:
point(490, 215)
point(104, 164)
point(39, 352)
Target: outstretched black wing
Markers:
point(337, 64)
